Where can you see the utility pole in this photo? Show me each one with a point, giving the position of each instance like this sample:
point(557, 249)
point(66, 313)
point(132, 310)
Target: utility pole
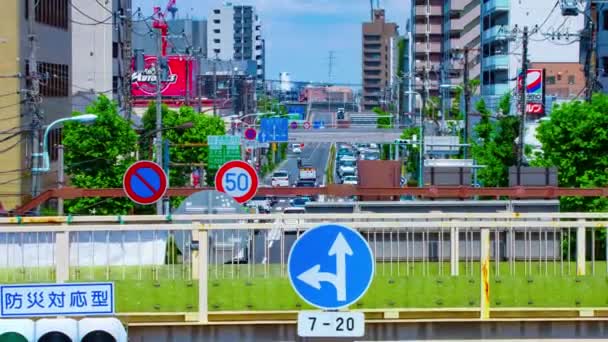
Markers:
point(34, 97)
point(215, 85)
point(127, 57)
point(159, 114)
point(522, 104)
point(424, 95)
point(329, 76)
point(467, 99)
point(590, 59)
point(60, 178)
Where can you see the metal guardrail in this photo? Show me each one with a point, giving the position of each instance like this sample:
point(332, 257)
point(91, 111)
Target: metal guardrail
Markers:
point(244, 247)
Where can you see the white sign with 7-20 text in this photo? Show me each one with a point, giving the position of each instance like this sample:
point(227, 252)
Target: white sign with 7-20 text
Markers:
point(331, 324)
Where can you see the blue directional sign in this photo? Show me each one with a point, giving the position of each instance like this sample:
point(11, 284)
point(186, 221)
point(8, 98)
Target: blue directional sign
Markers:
point(318, 124)
point(330, 266)
point(274, 130)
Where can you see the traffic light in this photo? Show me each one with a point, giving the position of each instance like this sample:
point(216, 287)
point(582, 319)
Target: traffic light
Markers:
point(16, 330)
point(56, 330)
point(101, 330)
point(62, 330)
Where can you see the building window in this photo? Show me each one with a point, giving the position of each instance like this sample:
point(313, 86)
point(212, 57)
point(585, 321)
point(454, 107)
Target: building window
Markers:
point(216, 51)
point(115, 81)
point(605, 15)
point(55, 139)
point(57, 79)
point(216, 21)
point(551, 80)
point(114, 50)
point(216, 41)
point(571, 79)
point(52, 12)
point(216, 31)
point(216, 11)
point(559, 77)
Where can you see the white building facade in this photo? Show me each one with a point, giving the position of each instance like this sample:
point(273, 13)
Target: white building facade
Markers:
point(234, 32)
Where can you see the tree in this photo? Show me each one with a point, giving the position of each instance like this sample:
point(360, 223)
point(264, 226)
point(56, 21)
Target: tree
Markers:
point(97, 156)
point(178, 136)
point(575, 139)
point(384, 120)
point(505, 104)
point(494, 147)
point(412, 153)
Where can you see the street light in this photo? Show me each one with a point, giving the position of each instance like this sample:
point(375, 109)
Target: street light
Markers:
point(85, 118)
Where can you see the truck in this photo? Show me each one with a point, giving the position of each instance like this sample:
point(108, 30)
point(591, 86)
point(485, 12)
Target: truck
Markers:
point(307, 174)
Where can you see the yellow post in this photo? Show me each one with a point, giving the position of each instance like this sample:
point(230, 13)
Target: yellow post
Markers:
point(485, 273)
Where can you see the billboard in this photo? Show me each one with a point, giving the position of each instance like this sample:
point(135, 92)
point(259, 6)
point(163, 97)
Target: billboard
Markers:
point(179, 81)
point(535, 91)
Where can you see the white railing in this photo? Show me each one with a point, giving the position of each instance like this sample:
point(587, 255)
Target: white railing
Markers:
point(245, 246)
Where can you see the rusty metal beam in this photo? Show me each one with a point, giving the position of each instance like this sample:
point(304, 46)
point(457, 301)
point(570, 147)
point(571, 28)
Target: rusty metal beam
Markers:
point(454, 192)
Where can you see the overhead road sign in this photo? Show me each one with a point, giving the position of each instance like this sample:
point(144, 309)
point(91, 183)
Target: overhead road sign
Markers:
point(238, 180)
point(145, 182)
point(274, 130)
point(72, 299)
point(330, 266)
point(222, 149)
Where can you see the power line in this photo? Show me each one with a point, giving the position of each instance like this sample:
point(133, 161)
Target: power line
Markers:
point(104, 7)
point(91, 18)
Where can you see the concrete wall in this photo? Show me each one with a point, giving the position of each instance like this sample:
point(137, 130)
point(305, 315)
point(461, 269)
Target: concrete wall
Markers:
point(415, 331)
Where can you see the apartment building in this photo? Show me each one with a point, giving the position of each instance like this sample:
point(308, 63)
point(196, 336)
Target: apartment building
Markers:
point(379, 39)
point(235, 32)
point(428, 36)
point(502, 24)
point(52, 29)
point(601, 12)
point(98, 39)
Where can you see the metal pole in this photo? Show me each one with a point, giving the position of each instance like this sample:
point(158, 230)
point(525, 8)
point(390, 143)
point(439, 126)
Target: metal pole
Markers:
point(422, 111)
point(60, 179)
point(522, 103)
point(33, 95)
point(159, 117)
point(467, 99)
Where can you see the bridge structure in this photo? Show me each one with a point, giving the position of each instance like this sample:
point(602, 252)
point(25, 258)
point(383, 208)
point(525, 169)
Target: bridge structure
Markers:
point(222, 277)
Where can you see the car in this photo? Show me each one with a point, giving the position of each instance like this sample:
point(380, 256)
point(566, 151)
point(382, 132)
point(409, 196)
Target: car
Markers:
point(294, 210)
point(305, 183)
point(299, 202)
point(350, 180)
point(280, 179)
point(296, 148)
point(347, 166)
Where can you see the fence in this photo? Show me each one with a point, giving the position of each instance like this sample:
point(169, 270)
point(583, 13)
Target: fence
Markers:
point(438, 260)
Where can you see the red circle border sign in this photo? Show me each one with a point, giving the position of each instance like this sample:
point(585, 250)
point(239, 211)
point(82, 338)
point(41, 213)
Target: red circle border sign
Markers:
point(131, 193)
point(245, 166)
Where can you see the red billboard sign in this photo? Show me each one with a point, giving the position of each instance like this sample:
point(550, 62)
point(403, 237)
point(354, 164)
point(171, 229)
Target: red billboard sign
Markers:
point(179, 81)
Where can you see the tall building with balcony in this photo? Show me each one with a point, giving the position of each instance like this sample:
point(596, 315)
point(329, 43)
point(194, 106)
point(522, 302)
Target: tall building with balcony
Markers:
point(428, 38)
point(502, 56)
point(601, 13)
point(234, 32)
point(461, 29)
point(379, 59)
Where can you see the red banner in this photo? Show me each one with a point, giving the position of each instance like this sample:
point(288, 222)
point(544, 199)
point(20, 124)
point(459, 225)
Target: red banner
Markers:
point(179, 82)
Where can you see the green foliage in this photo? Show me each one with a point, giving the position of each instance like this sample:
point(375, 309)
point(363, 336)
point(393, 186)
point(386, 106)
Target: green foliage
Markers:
point(575, 139)
point(412, 154)
point(173, 122)
point(331, 165)
point(505, 104)
point(494, 147)
point(384, 120)
point(474, 85)
point(456, 101)
point(97, 156)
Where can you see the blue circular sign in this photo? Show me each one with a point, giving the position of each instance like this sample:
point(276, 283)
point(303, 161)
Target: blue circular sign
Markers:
point(330, 266)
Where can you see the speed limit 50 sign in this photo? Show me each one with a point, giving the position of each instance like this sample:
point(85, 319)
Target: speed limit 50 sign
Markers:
point(238, 180)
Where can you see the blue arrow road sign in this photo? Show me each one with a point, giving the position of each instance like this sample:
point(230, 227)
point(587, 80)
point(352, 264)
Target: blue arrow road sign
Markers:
point(330, 266)
point(274, 130)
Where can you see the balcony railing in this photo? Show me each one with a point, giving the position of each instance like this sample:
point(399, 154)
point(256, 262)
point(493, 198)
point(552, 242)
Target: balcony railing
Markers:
point(494, 33)
point(496, 62)
point(496, 5)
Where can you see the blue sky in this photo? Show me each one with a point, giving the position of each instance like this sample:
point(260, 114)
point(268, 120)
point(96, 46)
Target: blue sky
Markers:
point(300, 33)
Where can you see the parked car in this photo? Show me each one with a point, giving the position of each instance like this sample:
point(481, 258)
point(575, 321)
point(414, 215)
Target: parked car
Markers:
point(296, 148)
point(280, 178)
point(350, 180)
point(347, 166)
point(299, 202)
